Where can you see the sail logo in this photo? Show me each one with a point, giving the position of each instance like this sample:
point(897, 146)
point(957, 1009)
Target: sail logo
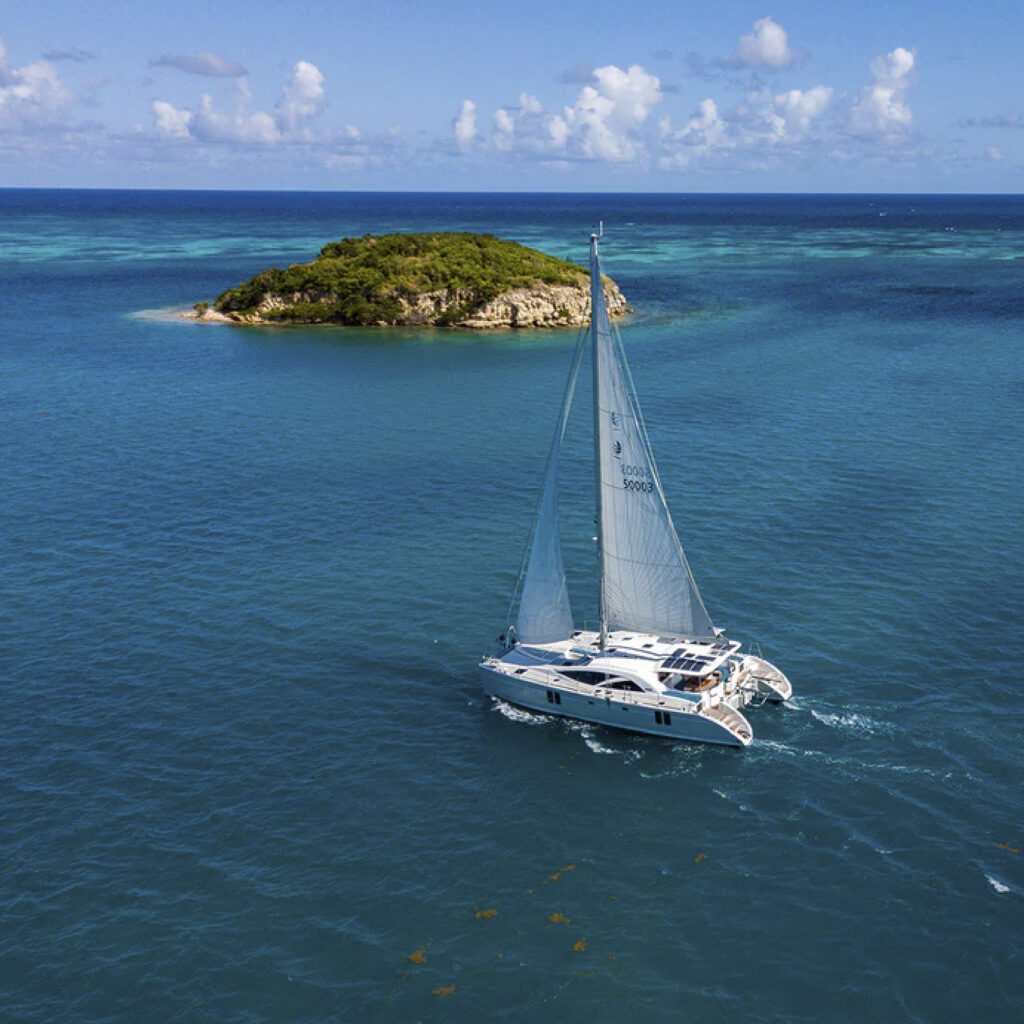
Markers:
point(616, 420)
point(617, 449)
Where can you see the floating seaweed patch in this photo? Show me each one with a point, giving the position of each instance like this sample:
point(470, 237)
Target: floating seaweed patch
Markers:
point(493, 912)
point(1008, 847)
point(444, 990)
point(580, 946)
point(419, 957)
point(700, 857)
point(558, 874)
point(557, 918)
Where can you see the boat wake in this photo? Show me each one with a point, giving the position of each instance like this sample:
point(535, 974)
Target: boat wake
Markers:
point(852, 722)
point(592, 742)
point(589, 734)
point(585, 730)
point(852, 766)
point(521, 715)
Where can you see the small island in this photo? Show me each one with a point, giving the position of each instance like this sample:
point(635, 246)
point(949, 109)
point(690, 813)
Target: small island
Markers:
point(443, 279)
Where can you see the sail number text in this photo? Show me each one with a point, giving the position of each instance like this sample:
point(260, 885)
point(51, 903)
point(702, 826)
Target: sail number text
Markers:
point(637, 478)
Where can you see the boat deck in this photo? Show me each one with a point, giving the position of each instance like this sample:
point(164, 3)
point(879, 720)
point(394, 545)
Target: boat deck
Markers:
point(630, 651)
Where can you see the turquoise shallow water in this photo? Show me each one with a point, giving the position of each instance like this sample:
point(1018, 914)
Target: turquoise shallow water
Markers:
point(246, 769)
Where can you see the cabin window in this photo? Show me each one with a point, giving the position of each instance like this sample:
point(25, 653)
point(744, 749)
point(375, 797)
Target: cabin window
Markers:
point(551, 697)
point(657, 717)
point(624, 684)
point(584, 676)
point(554, 698)
point(666, 717)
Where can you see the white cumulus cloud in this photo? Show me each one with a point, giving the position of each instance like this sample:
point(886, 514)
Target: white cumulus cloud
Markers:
point(892, 66)
point(607, 123)
point(171, 122)
point(881, 108)
point(606, 120)
point(208, 124)
point(800, 108)
point(705, 132)
point(759, 124)
point(464, 125)
point(766, 47)
point(527, 127)
point(302, 98)
point(32, 93)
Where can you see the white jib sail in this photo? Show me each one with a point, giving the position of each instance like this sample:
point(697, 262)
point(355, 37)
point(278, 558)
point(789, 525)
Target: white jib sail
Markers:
point(545, 614)
point(647, 585)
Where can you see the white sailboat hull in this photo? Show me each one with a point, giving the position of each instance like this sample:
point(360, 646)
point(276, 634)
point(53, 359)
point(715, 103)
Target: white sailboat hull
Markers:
point(617, 713)
point(625, 686)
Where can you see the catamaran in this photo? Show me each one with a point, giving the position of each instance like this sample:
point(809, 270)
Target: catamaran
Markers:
point(656, 664)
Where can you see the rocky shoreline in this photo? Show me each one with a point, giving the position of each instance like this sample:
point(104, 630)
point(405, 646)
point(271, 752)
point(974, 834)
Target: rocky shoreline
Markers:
point(541, 306)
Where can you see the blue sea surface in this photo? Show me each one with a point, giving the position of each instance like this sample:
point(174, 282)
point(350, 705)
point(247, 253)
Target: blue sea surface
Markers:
point(246, 770)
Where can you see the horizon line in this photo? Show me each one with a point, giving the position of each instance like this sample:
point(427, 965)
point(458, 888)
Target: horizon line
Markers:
point(483, 191)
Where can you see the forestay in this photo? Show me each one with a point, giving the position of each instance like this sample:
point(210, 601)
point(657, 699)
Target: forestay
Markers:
point(647, 585)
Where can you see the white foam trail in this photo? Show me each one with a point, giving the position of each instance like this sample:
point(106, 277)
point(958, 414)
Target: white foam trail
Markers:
point(514, 714)
point(586, 733)
point(852, 722)
point(998, 886)
point(584, 729)
point(594, 746)
point(781, 748)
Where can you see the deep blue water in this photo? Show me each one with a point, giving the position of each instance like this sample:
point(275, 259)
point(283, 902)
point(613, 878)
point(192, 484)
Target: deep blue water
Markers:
point(245, 767)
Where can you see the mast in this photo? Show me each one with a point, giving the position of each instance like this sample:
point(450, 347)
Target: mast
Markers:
point(597, 297)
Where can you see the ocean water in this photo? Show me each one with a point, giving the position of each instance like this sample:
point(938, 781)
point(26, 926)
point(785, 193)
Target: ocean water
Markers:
point(246, 770)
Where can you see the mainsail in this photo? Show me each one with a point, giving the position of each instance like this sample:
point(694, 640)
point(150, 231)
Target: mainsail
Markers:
point(544, 611)
point(646, 584)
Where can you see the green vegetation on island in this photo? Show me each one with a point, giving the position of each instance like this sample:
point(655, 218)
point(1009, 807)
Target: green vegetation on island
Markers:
point(440, 278)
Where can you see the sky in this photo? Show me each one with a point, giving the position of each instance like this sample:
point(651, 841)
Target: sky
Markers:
point(464, 95)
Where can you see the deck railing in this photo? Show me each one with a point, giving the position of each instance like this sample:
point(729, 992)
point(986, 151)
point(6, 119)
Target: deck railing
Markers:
point(647, 700)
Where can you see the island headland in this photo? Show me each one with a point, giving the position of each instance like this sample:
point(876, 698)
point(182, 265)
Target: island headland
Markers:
point(443, 279)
